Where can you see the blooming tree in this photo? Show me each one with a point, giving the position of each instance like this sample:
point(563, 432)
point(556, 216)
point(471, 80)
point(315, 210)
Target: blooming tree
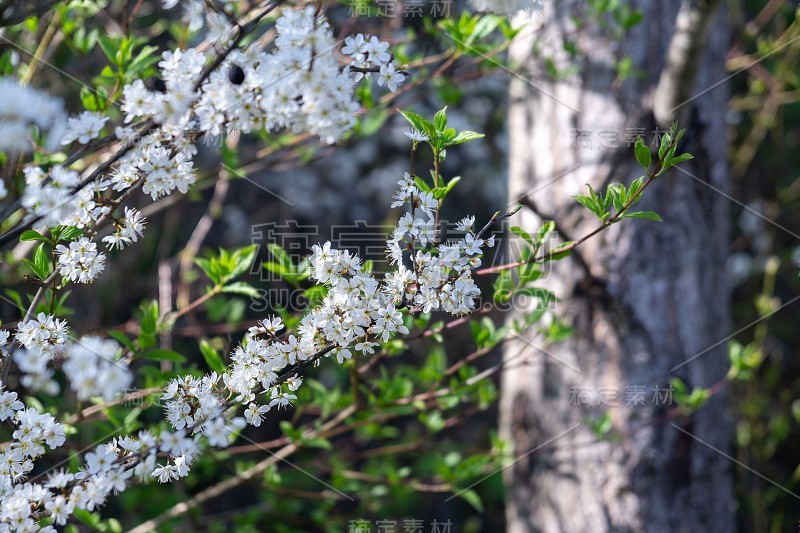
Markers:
point(263, 70)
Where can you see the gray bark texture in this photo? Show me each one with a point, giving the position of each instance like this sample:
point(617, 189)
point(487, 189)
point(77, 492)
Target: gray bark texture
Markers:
point(643, 297)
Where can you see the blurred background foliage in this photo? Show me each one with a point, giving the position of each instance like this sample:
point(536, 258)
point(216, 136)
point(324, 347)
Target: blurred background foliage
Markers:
point(765, 252)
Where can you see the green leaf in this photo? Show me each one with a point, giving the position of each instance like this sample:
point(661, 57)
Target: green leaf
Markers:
point(208, 269)
point(450, 184)
point(161, 354)
point(440, 120)
point(472, 498)
point(146, 340)
point(590, 203)
point(602, 426)
point(242, 259)
point(149, 316)
point(502, 287)
point(227, 265)
point(649, 215)
point(109, 47)
point(65, 233)
point(465, 136)
point(70, 233)
point(143, 59)
point(90, 99)
point(618, 194)
point(290, 431)
point(372, 122)
point(212, 357)
point(315, 295)
point(522, 234)
point(529, 272)
point(17, 299)
point(547, 228)
point(317, 442)
point(485, 25)
point(420, 183)
point(666, 139)
point(41, 262)
point(240, 287)
point(446, 136)
point(643, 155)
point(672, 161)
point(556, 255)
point(634, 189)
point(122, 339)
point(420, 124)
point(282, 257)
point(33, 235)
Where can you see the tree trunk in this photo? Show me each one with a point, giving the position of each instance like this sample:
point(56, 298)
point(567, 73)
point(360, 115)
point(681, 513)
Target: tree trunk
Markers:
point(643, 297)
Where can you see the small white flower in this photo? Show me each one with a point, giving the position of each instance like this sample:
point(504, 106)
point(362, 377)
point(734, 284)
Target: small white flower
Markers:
point(390, 77)
point(416, 135)
point(254, 414)
point(166, 473)
point(8, 404)
point(466, 224)
point(281, 399)
point(84, 127)
point(60, 508)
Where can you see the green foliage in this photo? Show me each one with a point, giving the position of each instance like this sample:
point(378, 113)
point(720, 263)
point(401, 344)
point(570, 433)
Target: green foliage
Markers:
point(745, 360)
point(689, 401)
point(470, 32)
point(41, 266)
point(616, 202)
point(440, 137)
point(227, 265)
point(283, 267)
point(601, 426)
point(164, 355)
point(212, 357)
point(485, 335)
point(614, 205)
point(520, 281)
point(148, 321)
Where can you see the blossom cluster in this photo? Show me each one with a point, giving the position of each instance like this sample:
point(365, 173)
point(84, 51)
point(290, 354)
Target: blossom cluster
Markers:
point(80, 261)
point(32, 431)
point(195, 14)
point(107, 469)
point(442, 279)
point(93, 367)
point(297, 84)
point(369, 54)
point(357, 314)
point(23, 108)
point(43, 335)
point(57, 198)
point(84, 127)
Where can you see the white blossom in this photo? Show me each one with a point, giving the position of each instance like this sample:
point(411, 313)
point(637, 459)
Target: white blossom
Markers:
point(84, 127)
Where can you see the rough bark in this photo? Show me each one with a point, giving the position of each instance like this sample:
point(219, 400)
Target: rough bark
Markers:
point(644, 296)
